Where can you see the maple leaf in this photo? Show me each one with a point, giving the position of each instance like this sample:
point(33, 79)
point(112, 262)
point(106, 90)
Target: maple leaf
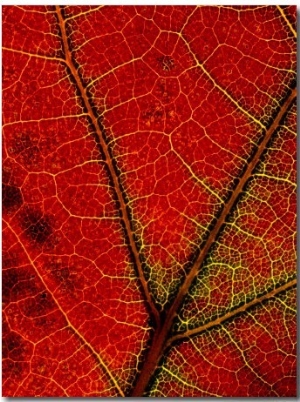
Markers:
point(149, 201)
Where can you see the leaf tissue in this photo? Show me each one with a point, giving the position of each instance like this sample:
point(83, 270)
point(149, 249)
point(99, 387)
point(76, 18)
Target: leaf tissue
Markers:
point(149, 201)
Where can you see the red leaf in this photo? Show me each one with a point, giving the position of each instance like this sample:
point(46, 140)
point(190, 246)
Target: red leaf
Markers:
point(149, 201)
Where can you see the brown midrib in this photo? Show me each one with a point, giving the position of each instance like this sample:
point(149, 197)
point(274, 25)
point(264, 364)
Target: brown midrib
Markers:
point(111, 167)
point(160, 342)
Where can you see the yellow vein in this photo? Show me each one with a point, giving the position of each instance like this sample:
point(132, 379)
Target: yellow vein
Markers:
point(230, 314)
point(287, 21)
point(33, 55)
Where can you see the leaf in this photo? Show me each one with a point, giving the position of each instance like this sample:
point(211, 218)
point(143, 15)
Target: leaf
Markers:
point(149, 201)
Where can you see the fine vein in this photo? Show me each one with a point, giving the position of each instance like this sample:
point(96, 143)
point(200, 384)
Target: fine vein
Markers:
point(112, 170)
point(160, 341)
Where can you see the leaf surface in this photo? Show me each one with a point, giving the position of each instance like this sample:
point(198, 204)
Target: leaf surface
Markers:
point(149, 199)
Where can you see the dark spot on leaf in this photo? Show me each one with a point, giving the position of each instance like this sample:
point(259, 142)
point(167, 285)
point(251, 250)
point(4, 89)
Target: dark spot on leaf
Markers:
point(12, 346)
point(18, 283)
point(36, 225)
point(9, 259)
point(14, 351)
point(11, 198)
point(38, 306)
point(9, 281)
